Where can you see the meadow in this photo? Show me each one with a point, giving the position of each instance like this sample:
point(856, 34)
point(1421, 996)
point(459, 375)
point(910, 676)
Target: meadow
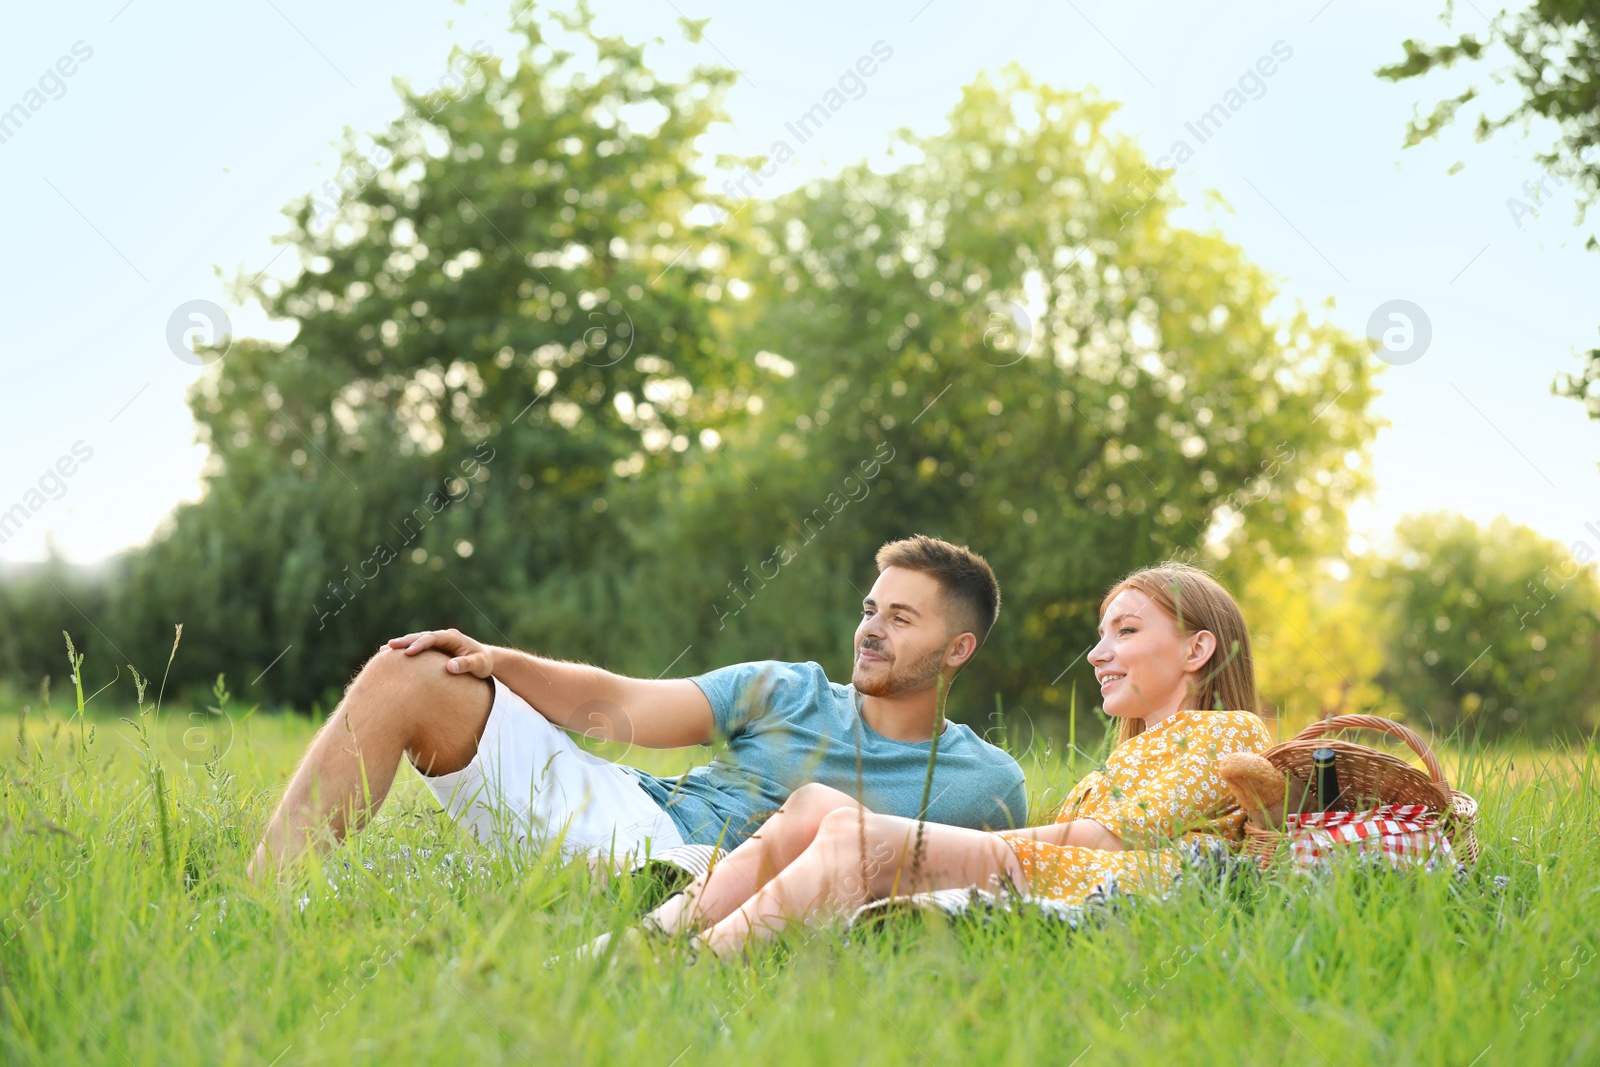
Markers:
point(128, 935)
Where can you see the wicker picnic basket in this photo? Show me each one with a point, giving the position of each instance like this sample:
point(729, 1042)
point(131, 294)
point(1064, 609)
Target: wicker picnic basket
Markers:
point(1375, 778)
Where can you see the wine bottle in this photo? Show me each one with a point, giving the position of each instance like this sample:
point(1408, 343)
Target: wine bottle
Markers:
point(1327, 779)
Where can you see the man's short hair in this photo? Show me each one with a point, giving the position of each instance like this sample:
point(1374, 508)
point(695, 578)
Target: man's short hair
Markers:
point(965, 577)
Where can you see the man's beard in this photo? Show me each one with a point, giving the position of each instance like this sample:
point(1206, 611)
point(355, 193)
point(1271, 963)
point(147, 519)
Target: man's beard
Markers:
point(917, 676)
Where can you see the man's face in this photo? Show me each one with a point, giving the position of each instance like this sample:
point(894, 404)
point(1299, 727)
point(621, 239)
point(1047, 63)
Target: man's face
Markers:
point(903, 636)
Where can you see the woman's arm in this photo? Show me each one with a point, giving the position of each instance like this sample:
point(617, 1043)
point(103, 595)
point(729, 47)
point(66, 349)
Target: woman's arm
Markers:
point(1085, 833)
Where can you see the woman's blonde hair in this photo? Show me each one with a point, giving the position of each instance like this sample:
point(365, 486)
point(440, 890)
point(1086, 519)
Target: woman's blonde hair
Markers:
point(1197, 601)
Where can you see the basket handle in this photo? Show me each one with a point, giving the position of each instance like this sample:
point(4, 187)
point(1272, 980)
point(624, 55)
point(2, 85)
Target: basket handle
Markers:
point(1388, 726)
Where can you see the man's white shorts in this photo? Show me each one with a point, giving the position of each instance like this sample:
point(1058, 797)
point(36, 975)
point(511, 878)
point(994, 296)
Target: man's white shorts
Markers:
point(530, 782)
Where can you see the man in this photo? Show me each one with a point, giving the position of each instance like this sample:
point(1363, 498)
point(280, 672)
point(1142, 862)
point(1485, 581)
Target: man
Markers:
point(464, 714)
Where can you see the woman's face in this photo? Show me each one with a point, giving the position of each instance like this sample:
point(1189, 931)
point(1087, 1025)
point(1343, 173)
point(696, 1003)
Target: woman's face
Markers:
point(1144, 664)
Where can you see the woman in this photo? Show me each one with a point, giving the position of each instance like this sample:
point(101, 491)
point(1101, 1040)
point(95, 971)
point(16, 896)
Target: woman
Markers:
point(1172, 646)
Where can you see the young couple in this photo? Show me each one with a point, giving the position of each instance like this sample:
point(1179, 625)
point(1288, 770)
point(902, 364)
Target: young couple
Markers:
point(820, 789)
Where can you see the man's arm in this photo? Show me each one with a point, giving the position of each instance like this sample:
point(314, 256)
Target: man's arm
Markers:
point(651, 713)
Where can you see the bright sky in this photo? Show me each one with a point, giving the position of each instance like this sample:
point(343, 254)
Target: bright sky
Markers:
point(165, 156)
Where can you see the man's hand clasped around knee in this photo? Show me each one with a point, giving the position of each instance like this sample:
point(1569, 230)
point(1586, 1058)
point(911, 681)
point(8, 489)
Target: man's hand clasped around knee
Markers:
point(467, 656)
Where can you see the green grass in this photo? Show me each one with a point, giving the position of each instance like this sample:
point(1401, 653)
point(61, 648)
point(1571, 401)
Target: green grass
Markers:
point(130, 937)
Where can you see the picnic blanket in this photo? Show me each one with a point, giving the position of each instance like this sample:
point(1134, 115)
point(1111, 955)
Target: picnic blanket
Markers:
point(1208, 859)
point(1395, 837)
point(694, 860)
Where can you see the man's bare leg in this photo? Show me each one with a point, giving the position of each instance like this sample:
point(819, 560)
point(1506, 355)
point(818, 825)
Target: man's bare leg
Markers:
point(398, 705)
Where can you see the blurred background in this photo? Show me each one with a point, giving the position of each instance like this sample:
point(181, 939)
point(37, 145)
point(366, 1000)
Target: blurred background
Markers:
point(628, 333)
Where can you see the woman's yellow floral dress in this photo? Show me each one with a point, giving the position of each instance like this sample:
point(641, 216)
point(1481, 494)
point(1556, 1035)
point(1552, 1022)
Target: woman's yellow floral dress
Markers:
point(1157, 789)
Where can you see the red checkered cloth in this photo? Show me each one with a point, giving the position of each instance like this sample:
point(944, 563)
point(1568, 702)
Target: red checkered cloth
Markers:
point(1407, 835)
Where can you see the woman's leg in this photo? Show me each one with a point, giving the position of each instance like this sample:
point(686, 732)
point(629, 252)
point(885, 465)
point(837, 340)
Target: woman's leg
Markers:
point(740, 874)
point(830, 879)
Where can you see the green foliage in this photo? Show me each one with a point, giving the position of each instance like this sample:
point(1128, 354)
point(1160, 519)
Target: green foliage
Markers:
point(475, 353)
point(1311, 641)
point(1005, 343)
point(37, 605)
point(537, 391)
point(531, 396)
point(412, 942)
point(1555, 61)
point(1493, 629)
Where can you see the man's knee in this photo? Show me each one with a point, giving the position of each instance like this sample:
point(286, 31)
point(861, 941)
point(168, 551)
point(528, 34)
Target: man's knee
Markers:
point(440, 715)
point(389, 666)
point(421, 680)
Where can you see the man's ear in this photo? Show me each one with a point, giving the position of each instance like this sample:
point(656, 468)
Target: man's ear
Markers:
point(961, 649)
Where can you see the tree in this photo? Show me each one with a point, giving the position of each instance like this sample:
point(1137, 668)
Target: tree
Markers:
point(530, 398)
point(1555, 49)
point(1004, 342)
point(1311, 634)
point(1494, 629)
point(40, 602)
point(486, 331)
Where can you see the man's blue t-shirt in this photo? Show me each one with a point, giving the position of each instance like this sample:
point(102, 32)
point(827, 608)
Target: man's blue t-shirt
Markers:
point(785, 725)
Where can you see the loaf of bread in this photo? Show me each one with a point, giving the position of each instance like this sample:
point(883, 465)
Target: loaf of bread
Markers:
point(1256, 785)
point(1254, 782)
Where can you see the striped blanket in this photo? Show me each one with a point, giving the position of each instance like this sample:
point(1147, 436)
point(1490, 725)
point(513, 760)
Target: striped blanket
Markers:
point(1207, 858)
